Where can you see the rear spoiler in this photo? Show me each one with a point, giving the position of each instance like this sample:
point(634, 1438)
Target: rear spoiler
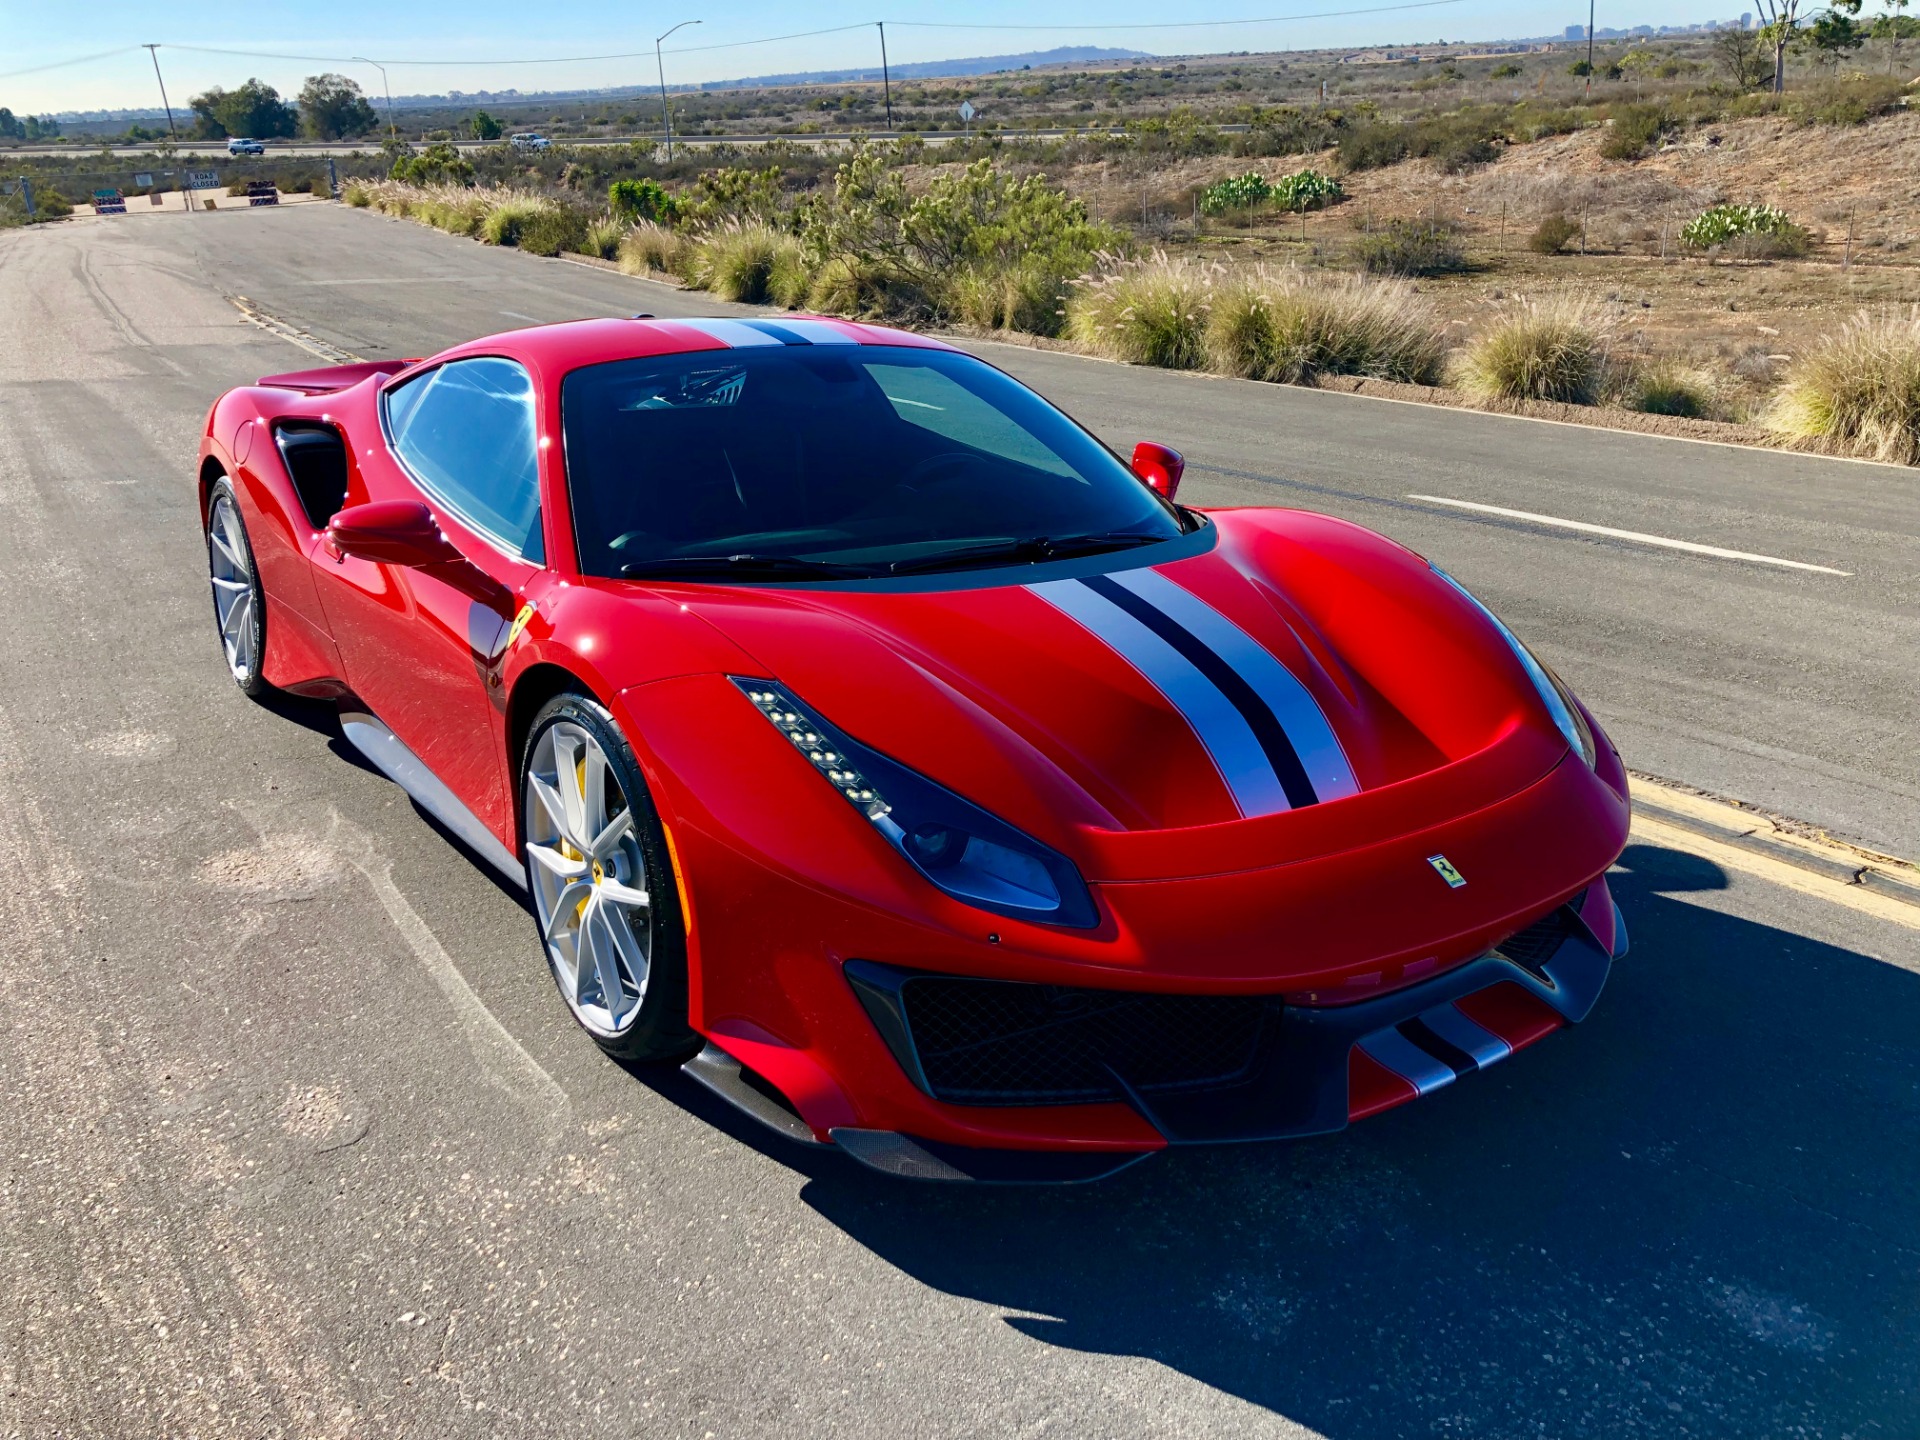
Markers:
point(334, 377)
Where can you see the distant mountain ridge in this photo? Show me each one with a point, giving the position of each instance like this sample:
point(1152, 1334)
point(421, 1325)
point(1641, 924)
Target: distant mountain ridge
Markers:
point(935, 69)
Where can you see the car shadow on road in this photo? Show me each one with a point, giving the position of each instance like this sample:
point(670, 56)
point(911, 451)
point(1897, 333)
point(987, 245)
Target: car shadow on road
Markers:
point(1693, 1214)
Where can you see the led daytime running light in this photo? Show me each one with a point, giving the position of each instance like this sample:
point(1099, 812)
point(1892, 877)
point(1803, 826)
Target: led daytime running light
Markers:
point(799, 727)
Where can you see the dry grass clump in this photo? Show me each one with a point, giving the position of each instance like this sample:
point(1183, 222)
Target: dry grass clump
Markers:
point(790, 276)
point(1858, 390)
point(1553, 349)
point(509, 216)
point(1145, 312)
point(737, 261)
point(603, 237)
point(650, 249)
point(1290, 326)
point(1670, 387)
point(849, 285)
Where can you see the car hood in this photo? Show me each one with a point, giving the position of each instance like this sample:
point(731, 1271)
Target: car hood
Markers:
point(1289, 685)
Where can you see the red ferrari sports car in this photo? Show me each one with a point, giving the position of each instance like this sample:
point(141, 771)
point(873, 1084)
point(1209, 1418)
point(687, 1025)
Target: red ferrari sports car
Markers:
point(865, 729)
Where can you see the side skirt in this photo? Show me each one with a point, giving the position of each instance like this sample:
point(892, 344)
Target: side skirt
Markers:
point(406, 769)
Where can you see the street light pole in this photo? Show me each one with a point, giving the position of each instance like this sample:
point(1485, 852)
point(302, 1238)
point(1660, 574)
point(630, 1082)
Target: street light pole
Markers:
point(154, 51)
point(392, 134)
point(666, 114)
point(886, 80)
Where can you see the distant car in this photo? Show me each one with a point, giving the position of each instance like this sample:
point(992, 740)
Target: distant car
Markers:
point(245, 147)
point(529, 140)
point(861, 726)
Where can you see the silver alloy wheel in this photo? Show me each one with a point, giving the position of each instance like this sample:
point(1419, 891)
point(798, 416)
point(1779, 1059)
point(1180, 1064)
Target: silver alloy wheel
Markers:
point(589, 879)
point(230, 565)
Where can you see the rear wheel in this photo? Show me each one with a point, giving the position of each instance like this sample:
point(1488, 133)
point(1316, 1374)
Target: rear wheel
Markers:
point(602, 884)
point(239, 601)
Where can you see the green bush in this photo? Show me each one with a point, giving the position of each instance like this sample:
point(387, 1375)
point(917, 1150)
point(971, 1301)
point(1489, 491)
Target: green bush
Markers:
point(1506, 70)
point(1410, 248)
point(553, 230)
point(1532, 121)
point(1293, 326)
point(50, 204)
point(1551, 235)
point(1850, 101)
point(736, 261)
point(1145, 312)
point(637, 200)
point(789, 277)
point(1306, 190)
point(436, 165)
point(1236, 192)
point(1635, 130)
point(733, 194)
point(357, 195)
point(1372, 145)
point(1453, 142)
point(1858, 390)
point(1754, 231)
point(1549, 350)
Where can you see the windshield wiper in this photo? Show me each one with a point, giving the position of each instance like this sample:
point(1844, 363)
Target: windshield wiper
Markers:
point(1039, 547)
point(741, 567)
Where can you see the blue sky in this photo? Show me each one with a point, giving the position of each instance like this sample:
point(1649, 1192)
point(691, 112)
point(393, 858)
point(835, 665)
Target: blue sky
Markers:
point(37, 34)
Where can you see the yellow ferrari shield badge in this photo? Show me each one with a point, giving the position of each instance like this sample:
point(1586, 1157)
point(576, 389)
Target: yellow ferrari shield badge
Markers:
point(1444, 868)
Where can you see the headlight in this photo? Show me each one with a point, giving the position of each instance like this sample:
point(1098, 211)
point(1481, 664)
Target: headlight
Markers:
point(956, 845)
point(1553, 693)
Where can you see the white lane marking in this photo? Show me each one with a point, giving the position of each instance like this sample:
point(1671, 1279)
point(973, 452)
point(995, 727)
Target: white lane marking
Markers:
point(502, 1058)
point(516, 315)
point(1638, 537)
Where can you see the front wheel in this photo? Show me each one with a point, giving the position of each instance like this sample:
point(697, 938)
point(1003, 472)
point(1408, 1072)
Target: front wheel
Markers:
point(602, 884)
point(239, 600)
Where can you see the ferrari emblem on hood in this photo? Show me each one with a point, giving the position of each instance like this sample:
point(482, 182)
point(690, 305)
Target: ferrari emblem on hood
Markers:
point(1443, 867)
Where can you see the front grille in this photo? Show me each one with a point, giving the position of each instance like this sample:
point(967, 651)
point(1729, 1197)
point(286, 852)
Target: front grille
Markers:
point(1534, 946)
point(995, 1042)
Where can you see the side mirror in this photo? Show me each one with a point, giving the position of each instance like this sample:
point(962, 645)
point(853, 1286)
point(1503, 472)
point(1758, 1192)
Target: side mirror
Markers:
point(1160, 467)
point(390, 532)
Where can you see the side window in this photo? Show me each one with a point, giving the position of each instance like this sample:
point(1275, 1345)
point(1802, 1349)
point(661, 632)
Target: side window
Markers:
point(467, 432)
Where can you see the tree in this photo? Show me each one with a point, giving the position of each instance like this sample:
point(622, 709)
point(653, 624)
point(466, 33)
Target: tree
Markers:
point(1833, 33)
point(254, 110)
point(1895, 26)
point(1742, 55)
point(42, 127)
point(332, 107)
point(485, 127)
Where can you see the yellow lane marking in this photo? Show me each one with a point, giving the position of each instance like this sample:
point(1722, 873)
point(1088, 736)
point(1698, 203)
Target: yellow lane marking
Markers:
point(1779, 872)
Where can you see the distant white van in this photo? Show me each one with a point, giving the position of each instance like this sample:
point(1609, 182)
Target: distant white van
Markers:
point(529, 140)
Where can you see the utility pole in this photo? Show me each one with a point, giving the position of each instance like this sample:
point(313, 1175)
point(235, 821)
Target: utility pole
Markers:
point(1590, 5)
point(154, 51)
point(666, 114)
point(392, 134)
point(886, 79)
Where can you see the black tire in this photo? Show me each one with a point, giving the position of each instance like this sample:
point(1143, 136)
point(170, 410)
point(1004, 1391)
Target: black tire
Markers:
point(658, 1031)
point(244, 665)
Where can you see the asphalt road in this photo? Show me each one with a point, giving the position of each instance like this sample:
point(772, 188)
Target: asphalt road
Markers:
point(300, 1141)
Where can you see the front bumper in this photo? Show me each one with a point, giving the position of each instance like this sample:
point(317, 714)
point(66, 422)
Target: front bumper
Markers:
point(1315, 1068)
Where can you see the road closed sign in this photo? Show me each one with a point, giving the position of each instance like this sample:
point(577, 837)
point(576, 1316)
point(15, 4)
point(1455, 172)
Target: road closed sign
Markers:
point(203, 179)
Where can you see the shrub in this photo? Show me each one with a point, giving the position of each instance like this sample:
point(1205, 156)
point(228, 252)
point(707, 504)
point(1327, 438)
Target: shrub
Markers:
point(1858, 390)
point(552, 230)
point(1506, 70)
point(1146, 312)
point(1236, 192)
point(1410, 248)
point(636, 200)
point(603, 237)
point(1307, 190)
point(1551, 235)
point(436, 165)
point(1754, 230)
point(50, 204)
point(736, 261)
point(1852, 101)
point(358, 195)
point(507, 220)
point(1667, 387)
point(846, 284)
point(1371, 146)
point(733, 194)
point(789, 277)
point(1634, 130)
point(1547, 350)
point(1028, 298)
point(647, 249)
point(1293, 326)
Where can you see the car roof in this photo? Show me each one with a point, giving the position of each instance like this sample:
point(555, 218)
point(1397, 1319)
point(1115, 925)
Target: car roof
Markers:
point(573, 343)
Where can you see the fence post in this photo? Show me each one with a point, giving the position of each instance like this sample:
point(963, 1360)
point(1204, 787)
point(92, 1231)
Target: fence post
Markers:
point(333, 180)
point(26, 194)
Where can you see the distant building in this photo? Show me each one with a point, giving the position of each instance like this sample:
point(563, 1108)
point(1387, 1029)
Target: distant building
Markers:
point(1746, 20)
point(1576, 32)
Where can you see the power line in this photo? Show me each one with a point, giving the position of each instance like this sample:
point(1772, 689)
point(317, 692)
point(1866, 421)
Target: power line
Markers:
point(523, 60)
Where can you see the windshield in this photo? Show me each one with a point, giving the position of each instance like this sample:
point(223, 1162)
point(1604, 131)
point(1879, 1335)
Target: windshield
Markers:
point(837, 460)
